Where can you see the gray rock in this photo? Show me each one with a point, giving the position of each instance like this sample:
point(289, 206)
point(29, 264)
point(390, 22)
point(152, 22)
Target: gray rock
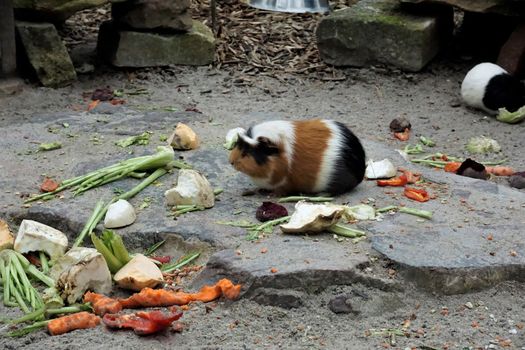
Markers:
point(52, 10)
point(340, 304)
point(153, 14)
point(285, 298)
point(503, 7)
point(139, 49)
point(373, 32)
point(46, 53)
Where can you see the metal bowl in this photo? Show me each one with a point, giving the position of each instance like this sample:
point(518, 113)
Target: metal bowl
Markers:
point(295, 6)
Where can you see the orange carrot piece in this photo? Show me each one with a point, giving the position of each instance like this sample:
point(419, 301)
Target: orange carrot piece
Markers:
point(452, 167)
point(500, 170)
point(148, 297)
point(102, 304)
point(92, 104)
point(402, 136)
point(80, 320)
point(229, 290)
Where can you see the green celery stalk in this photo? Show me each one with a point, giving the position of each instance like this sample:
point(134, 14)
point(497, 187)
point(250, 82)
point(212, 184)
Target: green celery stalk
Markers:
point(113, 263)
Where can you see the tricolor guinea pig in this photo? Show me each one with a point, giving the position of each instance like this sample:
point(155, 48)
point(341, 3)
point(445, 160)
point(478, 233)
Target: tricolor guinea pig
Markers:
point(487, 86)
point(310, 156)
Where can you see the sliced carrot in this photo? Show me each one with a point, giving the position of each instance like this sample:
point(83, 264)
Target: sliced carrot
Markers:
point(102, 304)
point(148, 297)
point(80, 320)
point(452, 167)
point(403, 135)
point(92, 104)
point(500, 170)
point(48, 185)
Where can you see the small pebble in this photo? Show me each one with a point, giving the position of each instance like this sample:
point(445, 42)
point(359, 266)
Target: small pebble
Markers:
point(513, 331)
point(469, 305)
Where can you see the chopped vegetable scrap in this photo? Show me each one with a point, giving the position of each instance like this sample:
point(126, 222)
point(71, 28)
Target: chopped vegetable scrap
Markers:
point(48, 185)
point(103, 94)
point(482, 144)
point(49, 146)
point(511, 117)
point(270, 211)
point(403, 136)
point(452, 167)
point(416, 194)
point(160, 297)
point(79, 320)
point(500, 170)
point(143, 322)
point(412, 178)
point(141, 139)
point(102, 304)
point(397, 181)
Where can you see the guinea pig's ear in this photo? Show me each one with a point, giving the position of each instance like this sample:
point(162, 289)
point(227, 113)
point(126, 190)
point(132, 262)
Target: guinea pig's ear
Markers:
point(266, 145)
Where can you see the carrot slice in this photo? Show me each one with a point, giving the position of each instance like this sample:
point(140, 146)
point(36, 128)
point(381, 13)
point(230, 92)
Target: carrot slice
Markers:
point(397, 181)
point(148, 297)
point(500, 170)
point(102, 304)
point(402, 136)
point(452, 167)
point(80, 320)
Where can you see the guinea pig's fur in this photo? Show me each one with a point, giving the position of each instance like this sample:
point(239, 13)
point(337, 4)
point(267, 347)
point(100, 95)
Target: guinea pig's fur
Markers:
point(309, 156)
point(487, 86)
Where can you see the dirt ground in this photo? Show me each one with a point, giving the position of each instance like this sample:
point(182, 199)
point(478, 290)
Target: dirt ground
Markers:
point(367, 99)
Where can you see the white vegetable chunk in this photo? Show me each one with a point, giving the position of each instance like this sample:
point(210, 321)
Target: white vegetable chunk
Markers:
point(6, 237)
point(310, 217)
point(192, 189)
point(120, 214)
point(140, 272)
point(34, 236)
point(79, 270)
point(383, 169)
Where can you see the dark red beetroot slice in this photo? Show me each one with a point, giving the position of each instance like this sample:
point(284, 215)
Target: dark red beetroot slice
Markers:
point(270, 211)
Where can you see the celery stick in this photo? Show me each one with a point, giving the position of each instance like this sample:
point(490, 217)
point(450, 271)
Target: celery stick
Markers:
point(29, 329)
point(167, 268)
point(43, 261)
point(346, 231)
point(113, 263)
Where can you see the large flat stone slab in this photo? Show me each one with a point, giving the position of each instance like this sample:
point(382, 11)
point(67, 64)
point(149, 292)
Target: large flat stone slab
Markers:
point(504, 7)
point(372, 32)
point(448, 254)
point(127, 48)
point(46, 53)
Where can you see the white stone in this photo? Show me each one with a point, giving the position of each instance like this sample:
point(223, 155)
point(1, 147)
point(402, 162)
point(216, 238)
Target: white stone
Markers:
point(120, 214)
point(34, 236)
point(192, 189)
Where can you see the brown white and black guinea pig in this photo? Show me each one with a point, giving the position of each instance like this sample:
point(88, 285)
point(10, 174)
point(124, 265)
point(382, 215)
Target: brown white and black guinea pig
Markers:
point(489, 87)
point(310, 156)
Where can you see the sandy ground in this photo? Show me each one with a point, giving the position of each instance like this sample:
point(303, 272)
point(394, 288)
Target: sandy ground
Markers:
point(367, 100)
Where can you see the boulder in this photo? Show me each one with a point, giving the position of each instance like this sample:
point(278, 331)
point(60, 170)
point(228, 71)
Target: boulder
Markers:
point(153, 14)
point(373, 32)
point(52, 10)
point(125, 48)
point(502, 7)
point(46, 53)
point(512, 54)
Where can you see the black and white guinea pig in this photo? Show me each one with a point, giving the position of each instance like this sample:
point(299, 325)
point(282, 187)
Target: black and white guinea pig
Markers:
point(310, 156)
point(487, 86)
